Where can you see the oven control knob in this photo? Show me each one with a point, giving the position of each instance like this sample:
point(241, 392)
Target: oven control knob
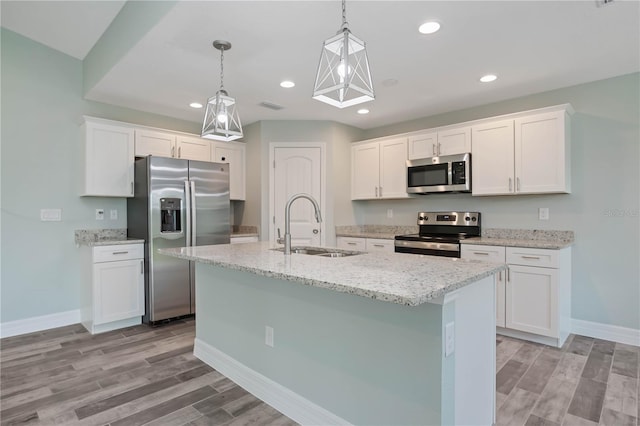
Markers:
point(473, 219)
point(420, 217)
point(467, 218)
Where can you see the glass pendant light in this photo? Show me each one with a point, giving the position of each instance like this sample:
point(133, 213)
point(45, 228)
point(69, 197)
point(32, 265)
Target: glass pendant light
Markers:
point(343, 77)
point(221, 119)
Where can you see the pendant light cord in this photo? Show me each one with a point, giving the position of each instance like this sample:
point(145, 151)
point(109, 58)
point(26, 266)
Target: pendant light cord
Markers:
point(344, 15)
point(222, 68)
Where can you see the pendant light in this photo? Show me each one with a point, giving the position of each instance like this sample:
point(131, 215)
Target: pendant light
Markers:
point(221, 119)
point(343, 77)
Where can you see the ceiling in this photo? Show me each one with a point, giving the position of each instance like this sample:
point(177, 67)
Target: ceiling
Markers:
point(532, 46)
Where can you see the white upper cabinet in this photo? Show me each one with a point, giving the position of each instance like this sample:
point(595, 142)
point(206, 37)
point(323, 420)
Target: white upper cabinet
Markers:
point(437, 142)
point(149, 142)
point(107, 159)
point(542, 153)
point(528, 154)
point(193, 148)
point(232, 153)
point(492, 159)
point(379, 169)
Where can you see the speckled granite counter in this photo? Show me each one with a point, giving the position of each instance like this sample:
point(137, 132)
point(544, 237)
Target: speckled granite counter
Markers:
point(103, 237)
point(405, 279)
point(530, 238)
point(385, 232)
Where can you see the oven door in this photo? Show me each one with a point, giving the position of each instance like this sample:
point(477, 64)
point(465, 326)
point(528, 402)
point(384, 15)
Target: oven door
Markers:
point(427, 176)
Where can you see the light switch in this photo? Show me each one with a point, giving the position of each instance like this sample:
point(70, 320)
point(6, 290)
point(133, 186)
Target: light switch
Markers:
point(51, 215)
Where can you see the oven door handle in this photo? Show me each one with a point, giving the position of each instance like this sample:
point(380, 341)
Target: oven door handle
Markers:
point(428, 245)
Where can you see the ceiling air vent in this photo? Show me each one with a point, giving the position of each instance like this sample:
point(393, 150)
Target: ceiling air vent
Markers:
point(271, 105)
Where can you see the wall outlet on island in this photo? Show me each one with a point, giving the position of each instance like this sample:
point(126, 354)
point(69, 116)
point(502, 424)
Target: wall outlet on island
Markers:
point(99, 214)
point(268, 335)
point(113, 214)
point(389, 213)
point(543, 213)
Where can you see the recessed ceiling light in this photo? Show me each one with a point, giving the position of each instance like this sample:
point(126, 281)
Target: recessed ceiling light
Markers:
point(195, 105)
point(363, 111)
point(389, 82)
point(429, 27)
point(287, 84)
point(488, 78)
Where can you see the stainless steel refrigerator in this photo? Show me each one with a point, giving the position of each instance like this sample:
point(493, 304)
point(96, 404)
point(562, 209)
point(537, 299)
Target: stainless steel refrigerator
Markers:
point(176, 203)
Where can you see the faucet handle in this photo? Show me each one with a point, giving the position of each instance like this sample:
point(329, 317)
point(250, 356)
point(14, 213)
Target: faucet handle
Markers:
point(280, 240)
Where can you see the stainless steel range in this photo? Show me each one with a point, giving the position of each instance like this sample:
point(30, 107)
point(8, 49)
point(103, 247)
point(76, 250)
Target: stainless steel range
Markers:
point(440, 233)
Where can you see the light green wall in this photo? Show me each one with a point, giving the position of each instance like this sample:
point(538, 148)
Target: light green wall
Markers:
point(42, 108)
point(603, 208)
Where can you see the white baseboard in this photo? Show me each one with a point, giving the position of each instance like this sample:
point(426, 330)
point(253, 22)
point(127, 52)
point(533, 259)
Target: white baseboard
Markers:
point(279, 397)
point(612, 333)
point(45, 322)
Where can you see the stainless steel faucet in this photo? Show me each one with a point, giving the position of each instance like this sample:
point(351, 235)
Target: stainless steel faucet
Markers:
point(287, 218)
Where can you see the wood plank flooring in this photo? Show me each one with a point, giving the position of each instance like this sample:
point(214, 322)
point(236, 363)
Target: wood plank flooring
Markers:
point(149, 376)
point(587, 382)
point(134, 376)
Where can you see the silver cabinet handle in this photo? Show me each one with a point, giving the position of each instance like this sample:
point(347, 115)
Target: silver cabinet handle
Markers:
point(510, 186)
point(531, 257)
point(500, 276)
point(518, 184)
point(142, 267)
point(380, 191)
point(351, 243)
point(188, 207)
point(120, 252)
point(173, 151)
point(179, 150)
point(482, 253)
point(379, 245)
point(376, 192)
point(194, 232)
point(508, 275)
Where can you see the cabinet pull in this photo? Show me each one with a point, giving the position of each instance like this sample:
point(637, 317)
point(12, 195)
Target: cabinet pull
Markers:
point(120, 252)
point(510, 186)
point(518, 184)
point(173, 151)
point(376, 192)
point(379, 245)
point(351, 243)
point(500, 276)
point(179, 149)
point(531, 257)
point(131, 188)
point(380, 191)
point(142, 267)
point(482, 253)
point(508, 275)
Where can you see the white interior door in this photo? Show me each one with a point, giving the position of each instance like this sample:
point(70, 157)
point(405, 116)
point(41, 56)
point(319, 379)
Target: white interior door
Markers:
point(297, 170)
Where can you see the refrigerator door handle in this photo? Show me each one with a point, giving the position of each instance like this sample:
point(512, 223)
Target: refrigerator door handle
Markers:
point(193, 213)
point(188, 207)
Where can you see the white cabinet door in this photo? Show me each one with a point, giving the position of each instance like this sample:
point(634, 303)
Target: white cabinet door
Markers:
point(108, 152)
point(454, 141)
point(542, 154)
point(501, 320)
point(234, 154)
point(393, 169)
point(118, 291)
point(532, 300)
point(493, 158)
point(379, 244)
point(351, 243)
point(159, 144)
point(495, 254)
point(190, 148)
point(424, 145)
point(365, 171)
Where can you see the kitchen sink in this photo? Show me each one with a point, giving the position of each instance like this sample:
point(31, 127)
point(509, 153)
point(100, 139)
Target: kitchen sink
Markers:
point(320, 251)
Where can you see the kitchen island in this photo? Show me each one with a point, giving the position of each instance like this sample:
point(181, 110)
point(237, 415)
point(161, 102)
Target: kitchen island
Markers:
point(374, 338)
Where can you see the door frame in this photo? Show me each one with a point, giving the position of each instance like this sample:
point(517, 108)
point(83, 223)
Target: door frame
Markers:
point(323, 183)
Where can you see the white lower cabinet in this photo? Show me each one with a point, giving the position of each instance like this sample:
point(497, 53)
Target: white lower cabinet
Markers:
point(533, 297)
point(365, 244)
point(113, 287)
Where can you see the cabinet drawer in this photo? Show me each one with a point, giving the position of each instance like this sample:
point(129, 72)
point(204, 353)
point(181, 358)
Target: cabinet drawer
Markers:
point(378, 244)
point(350, 243)
point(494, 254)
point(117, 252)
point(532, 257)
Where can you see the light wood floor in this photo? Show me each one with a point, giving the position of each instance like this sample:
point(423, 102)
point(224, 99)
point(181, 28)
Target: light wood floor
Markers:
point(142, 375)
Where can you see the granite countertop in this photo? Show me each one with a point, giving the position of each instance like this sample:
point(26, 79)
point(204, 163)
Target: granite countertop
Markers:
point(103, 237)
point(406, 279)
point(529, 238)
point(385, 232)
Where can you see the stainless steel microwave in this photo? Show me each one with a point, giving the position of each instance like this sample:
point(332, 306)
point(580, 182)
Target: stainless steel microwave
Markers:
point(450, 173)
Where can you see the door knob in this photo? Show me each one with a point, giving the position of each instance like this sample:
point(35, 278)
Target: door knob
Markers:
point(315, 231)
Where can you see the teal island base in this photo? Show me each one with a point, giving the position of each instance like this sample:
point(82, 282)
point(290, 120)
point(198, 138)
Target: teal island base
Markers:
point(338, 358)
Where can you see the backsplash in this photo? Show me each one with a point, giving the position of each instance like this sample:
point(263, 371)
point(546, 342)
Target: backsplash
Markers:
point(84, 236)
point(528, 234)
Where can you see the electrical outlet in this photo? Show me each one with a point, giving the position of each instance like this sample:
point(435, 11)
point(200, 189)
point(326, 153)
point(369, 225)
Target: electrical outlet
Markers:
point(51, 215)
point(113, 214)
point(268, 336)
point(543, 213)
point(449, 339)
point(99, 214)
point(389, 213)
